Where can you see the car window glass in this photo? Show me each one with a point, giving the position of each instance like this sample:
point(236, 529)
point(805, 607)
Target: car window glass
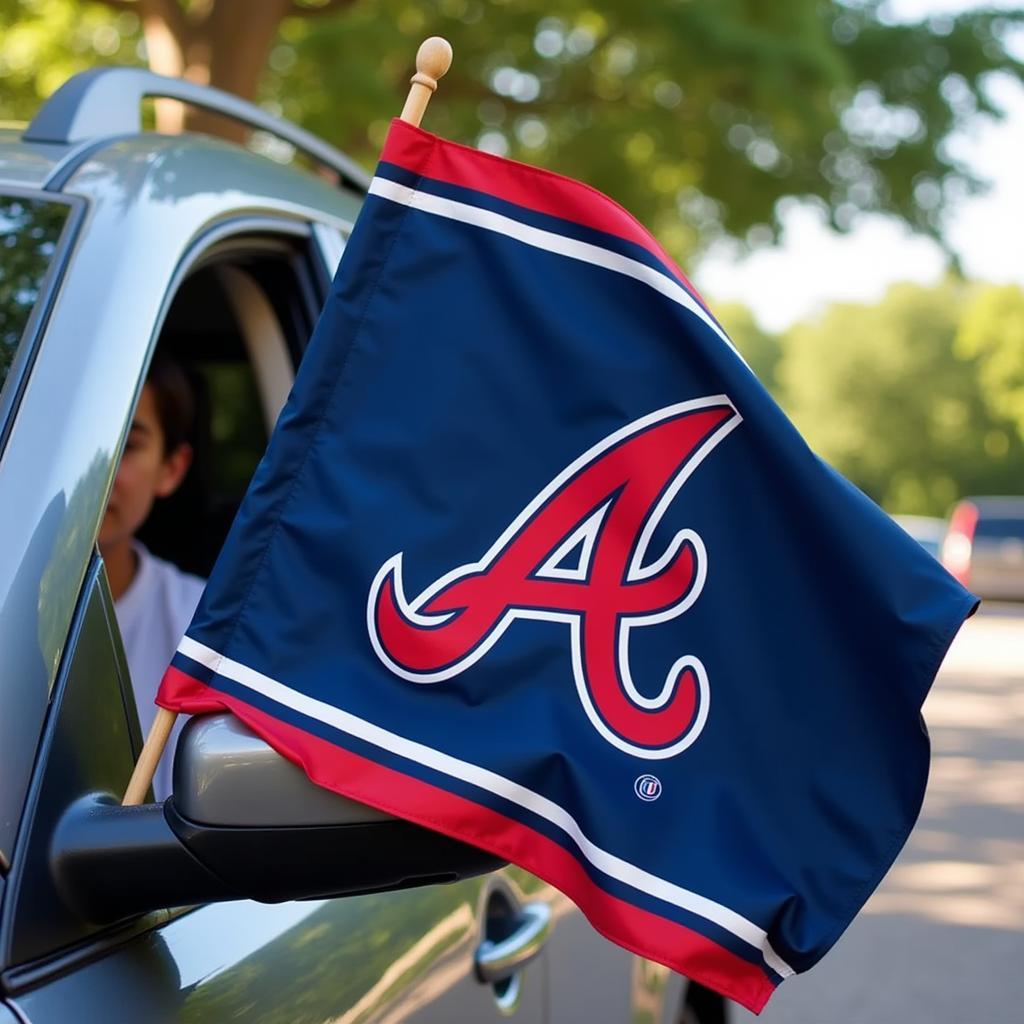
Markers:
point(29, 232)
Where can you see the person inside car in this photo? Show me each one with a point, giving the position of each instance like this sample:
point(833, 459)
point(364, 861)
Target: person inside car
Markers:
point(153, 598)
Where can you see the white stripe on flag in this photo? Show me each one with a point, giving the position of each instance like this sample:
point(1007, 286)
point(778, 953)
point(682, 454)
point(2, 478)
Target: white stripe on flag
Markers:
point(547, 240)
point(614, 867)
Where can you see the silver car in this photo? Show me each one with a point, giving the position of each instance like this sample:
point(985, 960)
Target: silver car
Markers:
point(114, 241)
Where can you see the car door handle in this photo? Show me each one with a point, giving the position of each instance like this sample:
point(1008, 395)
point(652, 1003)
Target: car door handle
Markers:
point(498, 961)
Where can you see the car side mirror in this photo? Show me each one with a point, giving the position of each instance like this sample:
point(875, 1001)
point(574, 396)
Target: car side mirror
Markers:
point(242, 823)
point(226, 776)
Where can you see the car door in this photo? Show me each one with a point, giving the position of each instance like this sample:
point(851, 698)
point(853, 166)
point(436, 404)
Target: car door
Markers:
point(405, 955)
point(387, 956)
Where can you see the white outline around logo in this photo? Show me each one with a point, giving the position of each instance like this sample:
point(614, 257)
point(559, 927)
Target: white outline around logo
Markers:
point(637, 571)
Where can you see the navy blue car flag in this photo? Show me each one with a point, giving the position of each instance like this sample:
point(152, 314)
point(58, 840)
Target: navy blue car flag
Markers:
point(533, 559)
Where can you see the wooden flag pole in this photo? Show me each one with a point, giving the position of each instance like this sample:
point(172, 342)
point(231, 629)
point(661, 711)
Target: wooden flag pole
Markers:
point(433, 59)
point(145, 767)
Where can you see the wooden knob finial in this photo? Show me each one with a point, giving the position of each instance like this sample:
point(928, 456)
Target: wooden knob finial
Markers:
point(433, 59)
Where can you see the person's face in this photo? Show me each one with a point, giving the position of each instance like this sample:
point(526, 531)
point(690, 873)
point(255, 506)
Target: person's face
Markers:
point(145, 474)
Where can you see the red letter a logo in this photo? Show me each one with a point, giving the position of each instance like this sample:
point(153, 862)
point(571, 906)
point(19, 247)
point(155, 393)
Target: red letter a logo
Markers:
point(605, 507)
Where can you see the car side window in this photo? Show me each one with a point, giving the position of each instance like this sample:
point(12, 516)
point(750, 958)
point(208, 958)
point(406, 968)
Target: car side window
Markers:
point(232, 337)
point(237, 327)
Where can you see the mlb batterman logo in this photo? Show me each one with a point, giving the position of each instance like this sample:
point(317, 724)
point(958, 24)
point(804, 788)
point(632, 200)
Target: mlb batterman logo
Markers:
point(578, 555)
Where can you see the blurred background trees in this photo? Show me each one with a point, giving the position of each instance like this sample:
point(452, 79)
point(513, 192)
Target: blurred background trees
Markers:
point(898, 396)
point(700, 116)
point(992, 334)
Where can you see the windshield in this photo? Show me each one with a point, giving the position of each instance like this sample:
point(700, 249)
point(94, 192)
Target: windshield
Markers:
point(29, 231)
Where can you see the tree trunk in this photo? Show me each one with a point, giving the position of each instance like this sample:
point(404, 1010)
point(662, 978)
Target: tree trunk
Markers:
point(165, 49)
point(223, 43)
point(240, 34)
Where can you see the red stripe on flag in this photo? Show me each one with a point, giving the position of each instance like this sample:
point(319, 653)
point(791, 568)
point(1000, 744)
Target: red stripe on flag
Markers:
point(365, 781)
point(534, 188)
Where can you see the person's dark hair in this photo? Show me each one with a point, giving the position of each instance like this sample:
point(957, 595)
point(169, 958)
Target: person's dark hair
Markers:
point(175, 400)
point(177, 528)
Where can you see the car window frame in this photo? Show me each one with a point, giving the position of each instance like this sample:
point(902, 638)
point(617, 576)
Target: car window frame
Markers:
point(241, 233)
point(17, 974)
point(230, 225)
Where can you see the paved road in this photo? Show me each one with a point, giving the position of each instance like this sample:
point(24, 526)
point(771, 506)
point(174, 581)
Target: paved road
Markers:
point(942, 940)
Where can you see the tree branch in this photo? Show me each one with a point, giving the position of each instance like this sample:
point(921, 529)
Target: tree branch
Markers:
point(170, 12)
point(301, 10)
point(120, 5)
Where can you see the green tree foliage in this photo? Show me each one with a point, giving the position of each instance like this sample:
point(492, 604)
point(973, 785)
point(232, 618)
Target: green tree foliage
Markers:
point(881, 394)
point(44, 42)
point(698, 115)
point(992, 333)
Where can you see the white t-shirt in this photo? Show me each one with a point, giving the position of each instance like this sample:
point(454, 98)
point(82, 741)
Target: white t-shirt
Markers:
point(153, 614)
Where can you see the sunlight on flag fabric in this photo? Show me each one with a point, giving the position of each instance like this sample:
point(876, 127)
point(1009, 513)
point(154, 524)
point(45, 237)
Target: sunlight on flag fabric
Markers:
point(534, 560)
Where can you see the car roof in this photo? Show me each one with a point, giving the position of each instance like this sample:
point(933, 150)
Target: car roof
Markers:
point(27, 164)
point(149, 166)
point(95, 111)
